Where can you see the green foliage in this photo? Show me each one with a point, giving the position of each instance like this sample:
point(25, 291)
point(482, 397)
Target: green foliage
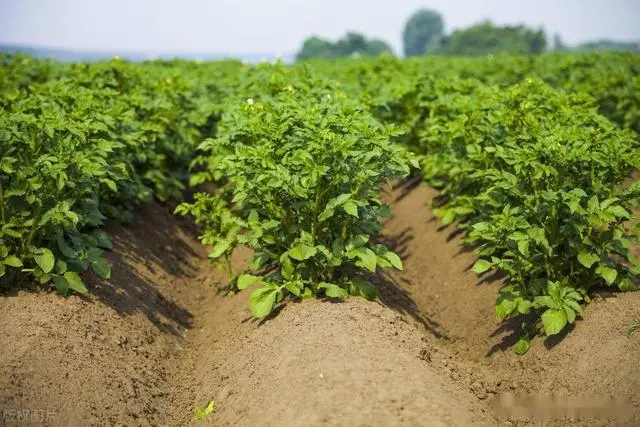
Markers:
point(633, 326)
point(351, 44)
point(486, 38)
point(532, 156)
point(536, 178)
point(549, 173)
point(609, 45)
point(304, 165)
point(202, 413)
point(422, 29)
point(80, 143)
point(316, 47)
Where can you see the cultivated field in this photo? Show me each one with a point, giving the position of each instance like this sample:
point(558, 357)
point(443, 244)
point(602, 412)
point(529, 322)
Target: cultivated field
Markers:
point(370, 241)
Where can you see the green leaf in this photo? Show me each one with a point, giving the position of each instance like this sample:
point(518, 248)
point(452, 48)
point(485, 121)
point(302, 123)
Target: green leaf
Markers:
point(481, 266)
point(12, 261)
point(333, 291)
point(104, 241)
point(524, 306)
point(448, 217)
point(111, 184)
point(554, 321)
point(607, 273)
point(60, 267)
point(75, 282)
point(331, 206)
point(6, 164)
point(102, 267)
point(351, 208)
point(220, 248)
point(571, 315)
point(262, 300)
point(619, 212)
point(357, 241)
point(337, 247)
point(394, 259)
point(65, 248)
point(61, 284)
point(626, 285)
point(202, 413)
point(523, 247)
point(302, 251)
point(505, 307)
point(45, 259)
point(248, 280)
point(573, 305)
point(587, 259)
point(522, 346)
point(368, 258)
point(286, 266)
point(365, 288)
point(295, 287)
point(253, 216)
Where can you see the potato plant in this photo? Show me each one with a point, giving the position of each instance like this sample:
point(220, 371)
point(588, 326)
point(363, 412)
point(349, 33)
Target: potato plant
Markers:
point(536, 178)
point(304, 165)
point(80, 143)
point(52, 171)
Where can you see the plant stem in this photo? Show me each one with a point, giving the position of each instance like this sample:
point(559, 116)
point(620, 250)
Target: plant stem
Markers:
point(33, 229)
point(2, 209)
point(228, 267)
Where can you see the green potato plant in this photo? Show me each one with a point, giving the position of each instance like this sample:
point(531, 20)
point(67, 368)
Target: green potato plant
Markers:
point(83, 142)
point(536, 179)
point(304, 165)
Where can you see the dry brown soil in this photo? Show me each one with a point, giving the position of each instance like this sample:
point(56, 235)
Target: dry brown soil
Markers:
point(159, 340)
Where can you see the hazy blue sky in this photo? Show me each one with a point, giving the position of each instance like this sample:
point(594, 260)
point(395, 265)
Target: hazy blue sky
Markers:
point(279, 26)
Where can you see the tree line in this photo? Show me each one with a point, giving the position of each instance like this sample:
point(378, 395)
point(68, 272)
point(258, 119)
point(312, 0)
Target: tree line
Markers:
point(424, 35)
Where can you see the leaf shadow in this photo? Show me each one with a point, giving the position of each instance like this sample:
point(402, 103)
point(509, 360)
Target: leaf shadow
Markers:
point(150, 261)
point(403, 188)
point(394, 296)
point(399, 242)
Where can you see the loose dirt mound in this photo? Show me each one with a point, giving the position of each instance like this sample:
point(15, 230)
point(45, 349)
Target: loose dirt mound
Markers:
point(321, 363)
point(104, 359)
point(596, 359)
point(159, 340)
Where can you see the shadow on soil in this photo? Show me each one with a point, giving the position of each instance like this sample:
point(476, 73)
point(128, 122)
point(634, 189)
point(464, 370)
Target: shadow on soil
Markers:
point(150, 260)
point(399, 242)
point(394, 296)
point(406, 186)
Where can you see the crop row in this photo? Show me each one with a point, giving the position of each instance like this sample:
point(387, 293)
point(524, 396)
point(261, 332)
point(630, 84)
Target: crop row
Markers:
point(532, 158)
point(82, 143)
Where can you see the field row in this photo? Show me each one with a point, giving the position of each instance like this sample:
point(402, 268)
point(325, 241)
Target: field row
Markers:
point(532, 158)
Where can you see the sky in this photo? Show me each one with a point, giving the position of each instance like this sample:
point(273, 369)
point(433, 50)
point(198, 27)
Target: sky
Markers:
point(279, 26)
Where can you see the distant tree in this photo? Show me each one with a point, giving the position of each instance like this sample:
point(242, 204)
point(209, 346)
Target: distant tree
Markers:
point(315, 47)
point(378, 47)
point(352, 43)
point(603, 45)
point(485, 38)
point(558, 43)
point(437, 45)
point(421, 29)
